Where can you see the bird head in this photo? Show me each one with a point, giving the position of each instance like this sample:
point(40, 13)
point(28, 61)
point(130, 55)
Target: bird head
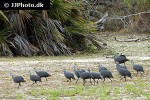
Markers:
point(132, 62)
point(99, 64)
point(11, 74)
point(89, 69)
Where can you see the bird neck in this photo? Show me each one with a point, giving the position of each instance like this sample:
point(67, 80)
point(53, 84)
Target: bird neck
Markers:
point(132, 63)
point(74, 68)
point(117, 66)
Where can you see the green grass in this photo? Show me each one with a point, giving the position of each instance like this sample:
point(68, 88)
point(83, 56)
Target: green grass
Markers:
point(19, 96)
point(102, 91)
point(134, 90)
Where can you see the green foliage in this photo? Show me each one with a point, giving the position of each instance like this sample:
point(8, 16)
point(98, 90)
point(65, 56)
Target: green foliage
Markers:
point(90, 48)
point(59, 10)
point(135, 90)
point(130, 3)
point(19, 96)
point(103, 92)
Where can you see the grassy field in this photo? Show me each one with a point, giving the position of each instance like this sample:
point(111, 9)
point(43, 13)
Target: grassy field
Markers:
point(57, 88)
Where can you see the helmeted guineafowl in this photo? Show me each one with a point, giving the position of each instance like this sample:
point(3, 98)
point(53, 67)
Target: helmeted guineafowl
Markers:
point(69, 75)
point(77, 73)
point(85, 75)
point(42, 73)
point(106, 74)
point(34, 78)
point(120, 58)
point(17, 79)
point(137, 67)
point(101, 67)
point(121, 66)
point(123, 72)
point(95, 76)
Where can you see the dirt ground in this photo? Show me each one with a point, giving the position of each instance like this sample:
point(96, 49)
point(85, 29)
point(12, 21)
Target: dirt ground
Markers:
point(138, 51)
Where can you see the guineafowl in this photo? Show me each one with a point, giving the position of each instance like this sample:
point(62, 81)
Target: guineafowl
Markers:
point(86, 75)
point(69, 75)
point(34, 78)
point(95, 76)
point(106, 74)
point(77, 73)
point(120, 58)
point(101, 67)
point(120, 66)
point(42, 73)
point(123, 72)
point(17, 79)
point(137, 67)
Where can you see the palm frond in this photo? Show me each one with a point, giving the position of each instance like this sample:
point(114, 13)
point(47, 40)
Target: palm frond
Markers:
point(18, 22)
point(4, 16)
point(59, 10)
point(24, 47)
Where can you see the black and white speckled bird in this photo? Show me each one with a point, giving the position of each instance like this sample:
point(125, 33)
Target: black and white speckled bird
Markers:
point(17, 79)
point(101, 67)
point(42, 73)
point(106, 74)
point(123, 72)
point(137, 67)
point(120, 58)
point(95, 75)
point(69, 75)
point(34, 78)
point(77, 73)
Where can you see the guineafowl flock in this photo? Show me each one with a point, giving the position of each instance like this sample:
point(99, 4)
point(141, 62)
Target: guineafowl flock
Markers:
point(86, 74)
point(35, 77)
point(104, 73)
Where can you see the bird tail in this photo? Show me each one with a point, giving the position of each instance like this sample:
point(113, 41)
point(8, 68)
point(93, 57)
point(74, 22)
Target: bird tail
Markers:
point(23, 81)
point(127, 60)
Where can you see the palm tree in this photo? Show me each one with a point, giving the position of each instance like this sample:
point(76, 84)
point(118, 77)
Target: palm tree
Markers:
point(36, 32)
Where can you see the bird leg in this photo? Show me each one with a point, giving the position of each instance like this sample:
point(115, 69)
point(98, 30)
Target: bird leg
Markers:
point(137, 73)
point(104, 80)
point(94, 81)
point(97, 81)
point(90, 81)
point(32, 83)
point(19, 85)
point(110, 79)
point(36, 82)
point(125, 78)
point(46, 78)
point(77, 80)
point(141, 73)
point(70, 80)
point(121, 78)
point(83, 81)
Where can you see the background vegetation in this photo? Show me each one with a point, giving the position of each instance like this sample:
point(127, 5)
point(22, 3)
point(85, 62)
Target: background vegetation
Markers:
point(67, 27)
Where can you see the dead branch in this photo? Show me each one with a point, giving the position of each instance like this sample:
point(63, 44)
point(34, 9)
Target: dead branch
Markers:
point(98, 44)
point(133, 40)
point(127, 40)
point(126, 22)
